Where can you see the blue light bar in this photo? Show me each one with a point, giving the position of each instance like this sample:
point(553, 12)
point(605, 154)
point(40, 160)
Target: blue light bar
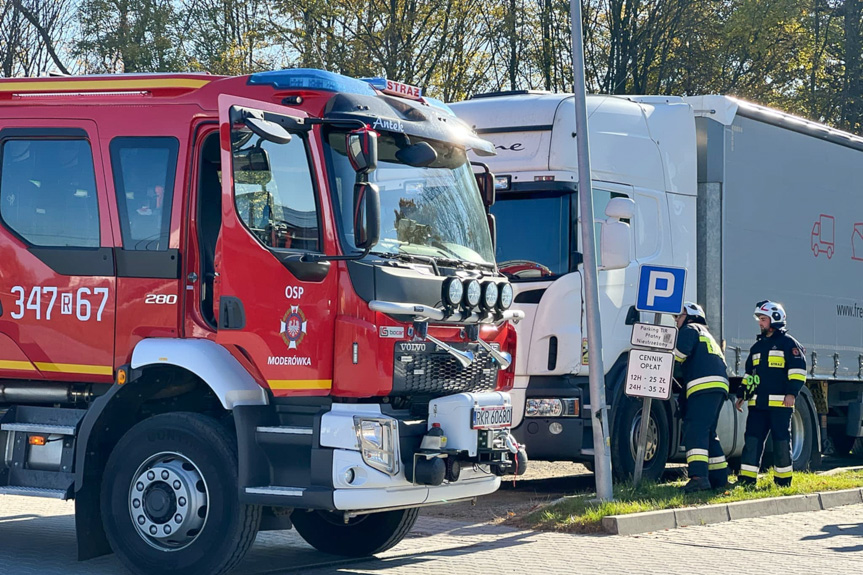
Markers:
point(379, 83)
point(311, 79)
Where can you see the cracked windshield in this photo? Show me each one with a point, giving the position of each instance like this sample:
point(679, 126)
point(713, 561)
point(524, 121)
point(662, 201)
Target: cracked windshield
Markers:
point(427, 211)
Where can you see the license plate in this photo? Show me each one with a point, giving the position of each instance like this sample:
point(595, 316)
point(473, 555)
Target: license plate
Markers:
point(493, 417)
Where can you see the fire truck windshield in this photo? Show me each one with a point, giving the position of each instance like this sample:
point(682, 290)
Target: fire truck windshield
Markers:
point(431, 211)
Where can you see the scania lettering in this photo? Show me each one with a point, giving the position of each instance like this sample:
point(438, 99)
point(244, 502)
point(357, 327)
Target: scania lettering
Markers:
point(733, 192)
point(236, 303)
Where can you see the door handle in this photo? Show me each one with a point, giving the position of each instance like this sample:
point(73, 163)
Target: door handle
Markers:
point(232, 315)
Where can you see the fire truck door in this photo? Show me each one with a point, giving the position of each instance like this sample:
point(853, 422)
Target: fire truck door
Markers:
point(277, 308)
point(57, 282)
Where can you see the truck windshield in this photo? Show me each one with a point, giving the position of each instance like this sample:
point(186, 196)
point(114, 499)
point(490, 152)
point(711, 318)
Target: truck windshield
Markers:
point(430, 211)
point(533, 237)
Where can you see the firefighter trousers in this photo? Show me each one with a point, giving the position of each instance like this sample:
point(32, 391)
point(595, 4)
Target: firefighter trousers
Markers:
point(704, 454)
point(760, 422)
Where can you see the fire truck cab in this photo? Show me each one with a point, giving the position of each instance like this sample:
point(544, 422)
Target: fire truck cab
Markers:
point(240, 303)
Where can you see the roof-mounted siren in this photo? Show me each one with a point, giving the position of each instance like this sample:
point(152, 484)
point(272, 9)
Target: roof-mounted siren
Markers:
point(393, 88)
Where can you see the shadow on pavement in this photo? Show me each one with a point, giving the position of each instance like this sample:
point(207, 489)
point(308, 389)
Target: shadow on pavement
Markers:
point(839, 530)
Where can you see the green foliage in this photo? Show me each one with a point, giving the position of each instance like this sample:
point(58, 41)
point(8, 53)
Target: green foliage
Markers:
point(800, 56)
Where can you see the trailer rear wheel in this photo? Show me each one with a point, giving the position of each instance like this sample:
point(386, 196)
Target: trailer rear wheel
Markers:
point(169, 498)
point(624, 441)
point(359, 536)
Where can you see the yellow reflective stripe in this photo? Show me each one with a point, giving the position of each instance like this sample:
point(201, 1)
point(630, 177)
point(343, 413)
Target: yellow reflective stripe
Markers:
point(712, 466)
point(776, 404)
point(782, 475)
point(691, 458)
point(75, 368)
point(797, 377)
point(751, 402)
point(300, 384)
point(112, 84)
point(747, 473)
point(773, 361)
point(19, 365)
point(708, 385)
point(679, 359)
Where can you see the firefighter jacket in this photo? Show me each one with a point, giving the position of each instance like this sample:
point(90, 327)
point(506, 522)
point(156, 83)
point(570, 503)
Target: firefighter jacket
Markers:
point(701, 363)
point(776, 367)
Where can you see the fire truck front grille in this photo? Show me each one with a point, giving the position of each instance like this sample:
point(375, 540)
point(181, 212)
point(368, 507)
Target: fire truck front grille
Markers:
point(421, 368)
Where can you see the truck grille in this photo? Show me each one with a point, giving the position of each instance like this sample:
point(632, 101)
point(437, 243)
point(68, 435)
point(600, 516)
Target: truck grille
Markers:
point(421, 368)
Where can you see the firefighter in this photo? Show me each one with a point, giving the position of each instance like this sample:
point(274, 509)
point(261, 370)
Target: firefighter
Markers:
point(775, 374)
point(702, 375)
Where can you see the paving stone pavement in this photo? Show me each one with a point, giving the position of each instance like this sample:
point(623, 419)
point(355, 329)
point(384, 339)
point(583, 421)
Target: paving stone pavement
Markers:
point(38, 537)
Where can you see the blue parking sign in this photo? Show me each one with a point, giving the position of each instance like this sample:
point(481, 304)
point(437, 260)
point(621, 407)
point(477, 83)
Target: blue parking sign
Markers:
point(660, 289)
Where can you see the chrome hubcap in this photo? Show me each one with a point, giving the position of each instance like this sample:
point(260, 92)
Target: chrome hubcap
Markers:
point(168, 501)
point(652, 438)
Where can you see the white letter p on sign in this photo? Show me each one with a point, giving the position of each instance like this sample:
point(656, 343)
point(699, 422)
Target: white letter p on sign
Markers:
point(653, 292)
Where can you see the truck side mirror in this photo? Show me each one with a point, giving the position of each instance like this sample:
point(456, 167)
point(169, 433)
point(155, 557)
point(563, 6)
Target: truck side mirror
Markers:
point(367, 215)
point(362, 148)
point(485, 182)
point(270, 131)
point(616, 236)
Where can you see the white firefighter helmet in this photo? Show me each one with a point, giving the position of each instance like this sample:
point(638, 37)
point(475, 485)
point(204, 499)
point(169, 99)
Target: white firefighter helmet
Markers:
point(774, 311)
point(692, 309)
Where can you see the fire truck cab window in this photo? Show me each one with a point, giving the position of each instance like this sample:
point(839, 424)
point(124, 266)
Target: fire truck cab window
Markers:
point(273, 191)
point(144, 170)
point(48, 192)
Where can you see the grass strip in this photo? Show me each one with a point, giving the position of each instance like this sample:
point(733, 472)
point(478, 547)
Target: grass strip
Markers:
point(578, 514)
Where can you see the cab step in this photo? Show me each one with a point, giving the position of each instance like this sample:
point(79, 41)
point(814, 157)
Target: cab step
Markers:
point(34, 492)
point(39, 443)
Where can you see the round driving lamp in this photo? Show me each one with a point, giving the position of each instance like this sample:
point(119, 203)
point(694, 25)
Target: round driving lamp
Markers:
point(472, 293)
point(453, 290)
point(489, 293)
point(505, 299)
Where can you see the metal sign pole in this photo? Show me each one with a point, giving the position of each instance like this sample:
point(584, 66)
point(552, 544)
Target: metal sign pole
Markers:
point(599, 409)
point(645, 425)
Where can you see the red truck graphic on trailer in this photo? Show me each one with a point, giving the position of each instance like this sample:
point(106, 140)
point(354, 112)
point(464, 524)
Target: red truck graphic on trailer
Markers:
point(857, 242)
point(823, 235)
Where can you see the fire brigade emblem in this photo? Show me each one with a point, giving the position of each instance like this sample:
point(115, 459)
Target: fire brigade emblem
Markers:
point(293, 329)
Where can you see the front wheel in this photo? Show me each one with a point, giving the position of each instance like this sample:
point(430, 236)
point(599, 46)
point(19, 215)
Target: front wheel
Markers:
point(359, 536)
point(627, 428)
point(169, 498)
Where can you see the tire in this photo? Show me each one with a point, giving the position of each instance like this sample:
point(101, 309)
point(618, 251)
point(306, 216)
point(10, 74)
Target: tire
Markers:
point(163, 465)
point(624, 443)
point(361, 536)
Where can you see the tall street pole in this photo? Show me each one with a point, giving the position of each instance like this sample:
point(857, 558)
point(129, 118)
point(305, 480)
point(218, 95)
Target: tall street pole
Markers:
point(598, 407)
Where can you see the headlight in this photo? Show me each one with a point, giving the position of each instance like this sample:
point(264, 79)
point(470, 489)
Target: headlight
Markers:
point(506, 296)
point(472, 293)
point(552, 407)
point(453, 289)
point(378, 438)
point(489, 292)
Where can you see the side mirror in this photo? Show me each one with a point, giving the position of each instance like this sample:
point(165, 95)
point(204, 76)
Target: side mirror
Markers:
point(615, 244)
point(367, 215)
point(362, 148)
point(270, 131)
point(485, 181)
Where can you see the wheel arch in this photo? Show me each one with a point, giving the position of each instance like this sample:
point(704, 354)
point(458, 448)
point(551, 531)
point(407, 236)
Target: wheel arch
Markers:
point(165, 375)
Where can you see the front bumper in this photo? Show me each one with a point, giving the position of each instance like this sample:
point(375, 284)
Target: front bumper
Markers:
point(323, 466)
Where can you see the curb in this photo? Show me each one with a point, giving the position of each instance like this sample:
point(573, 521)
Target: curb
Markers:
point(634, 523)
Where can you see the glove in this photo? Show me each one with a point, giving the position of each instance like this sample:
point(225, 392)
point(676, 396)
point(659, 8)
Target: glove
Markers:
point(748, 385)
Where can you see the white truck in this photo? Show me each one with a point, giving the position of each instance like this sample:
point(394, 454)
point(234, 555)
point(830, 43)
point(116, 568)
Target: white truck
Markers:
point(736, 193)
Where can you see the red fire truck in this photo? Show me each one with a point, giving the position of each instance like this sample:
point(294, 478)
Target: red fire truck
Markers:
point(243, 303)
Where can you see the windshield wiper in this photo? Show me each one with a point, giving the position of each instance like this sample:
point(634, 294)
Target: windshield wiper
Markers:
point(409, 258)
